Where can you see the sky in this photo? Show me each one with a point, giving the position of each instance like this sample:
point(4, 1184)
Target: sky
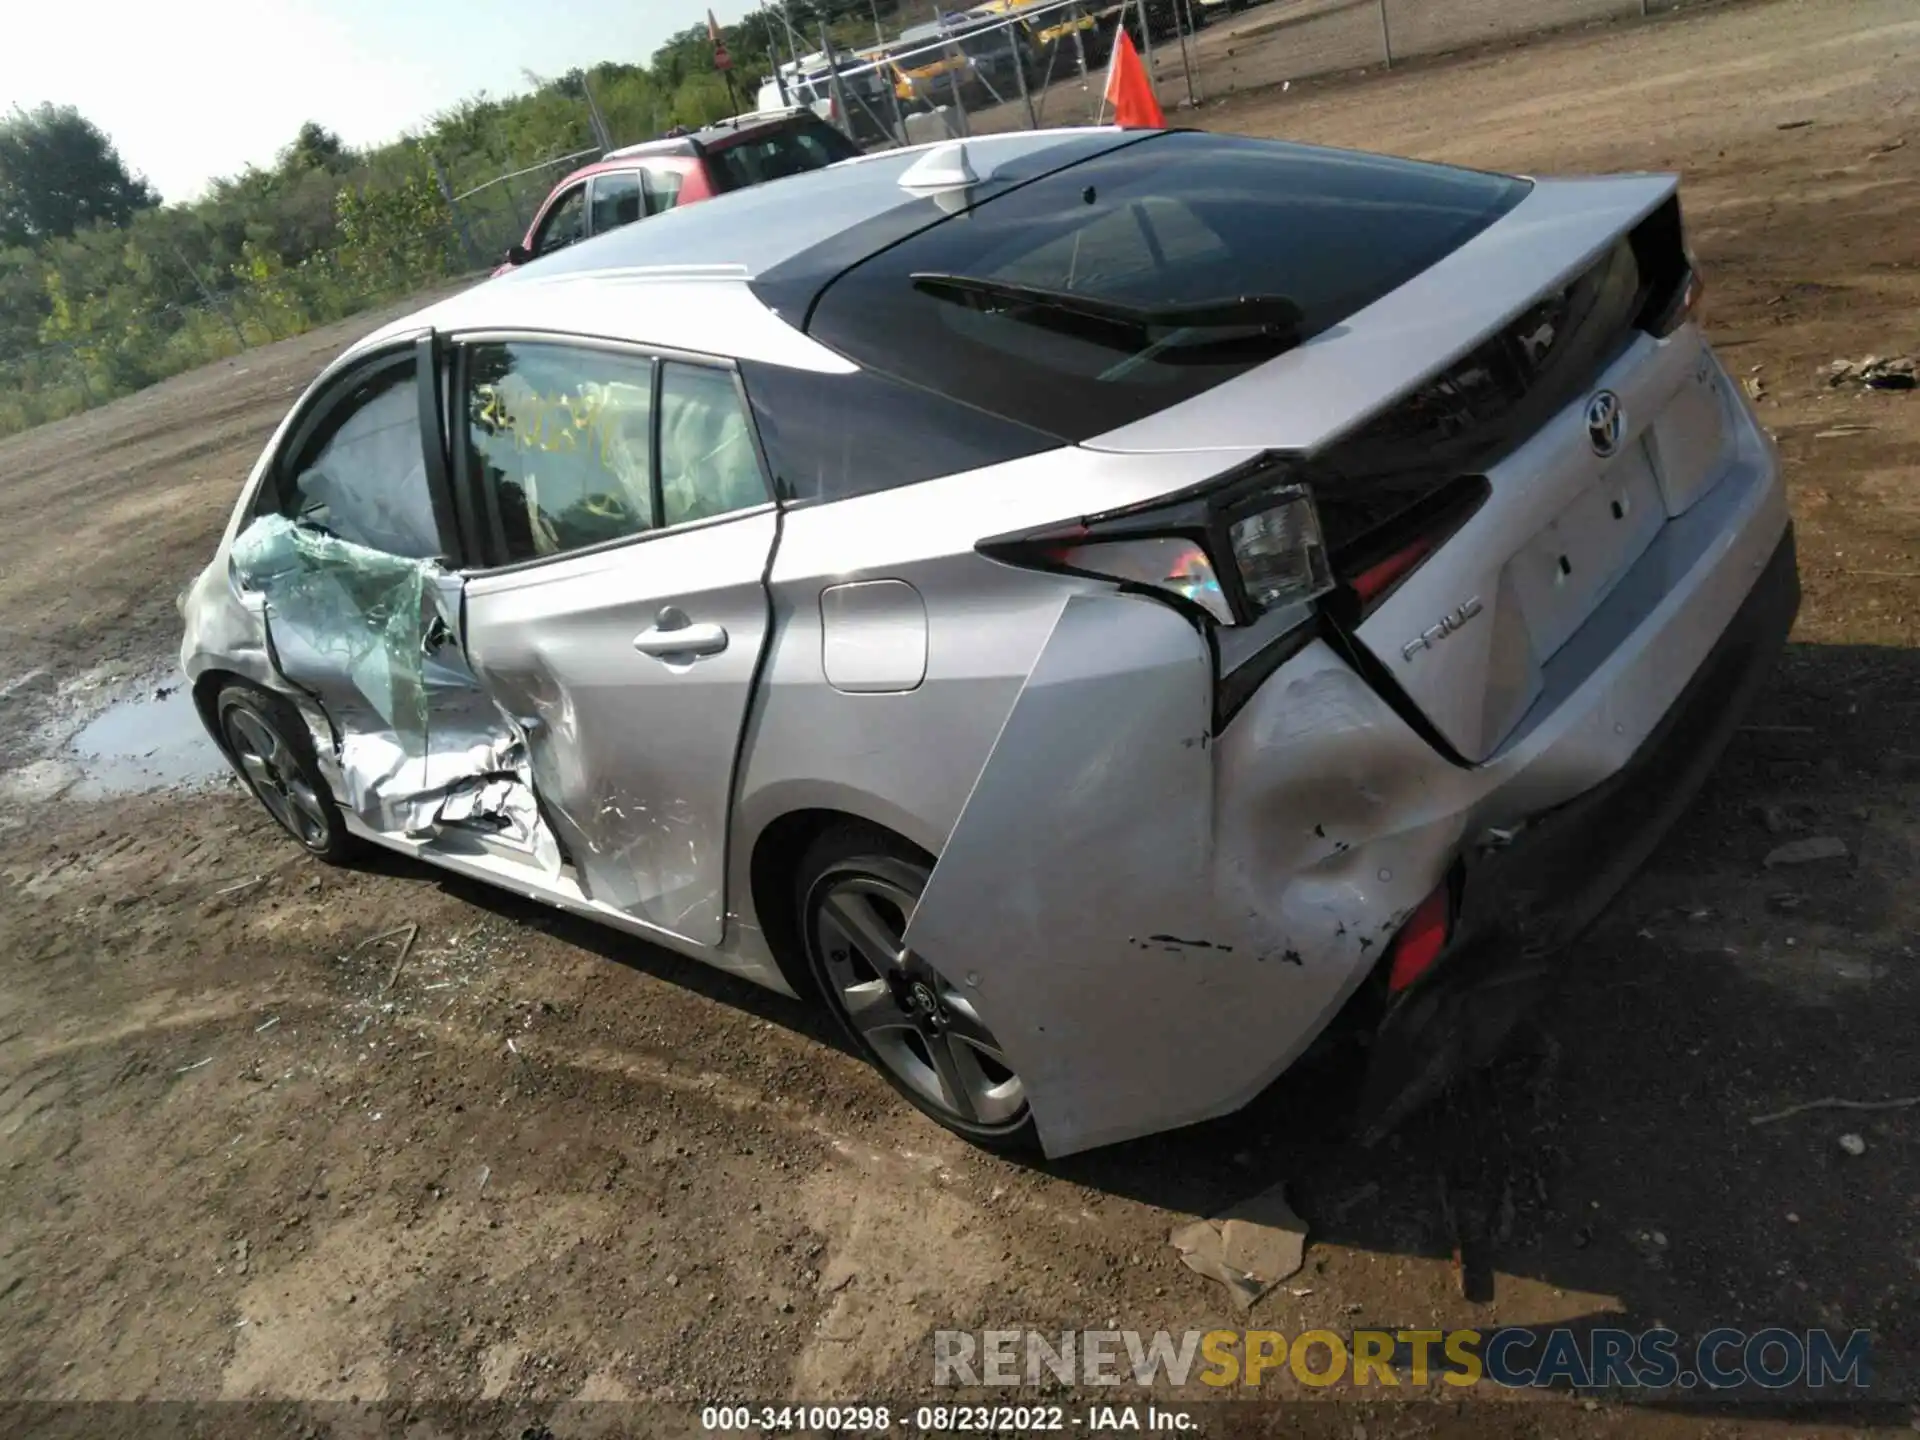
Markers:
point(193, 89)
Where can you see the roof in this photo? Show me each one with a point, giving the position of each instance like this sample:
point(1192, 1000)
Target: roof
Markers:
point(704, 310)
point(719, 133)
point(762, 226)
point(737, 273)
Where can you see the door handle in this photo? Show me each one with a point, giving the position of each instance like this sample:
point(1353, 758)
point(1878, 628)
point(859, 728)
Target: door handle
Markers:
point(674, 635)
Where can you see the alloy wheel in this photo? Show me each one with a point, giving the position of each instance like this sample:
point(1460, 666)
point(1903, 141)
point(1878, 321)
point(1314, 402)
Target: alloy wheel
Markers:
point(274, 771)
point(924, 1029)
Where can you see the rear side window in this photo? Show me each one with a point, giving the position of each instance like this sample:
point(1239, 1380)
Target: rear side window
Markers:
point(663, 187)
point(707, 462)
point(1177, 220)
point(831, 437)
point(790, 151)
point(560, 442)
point(616, 200)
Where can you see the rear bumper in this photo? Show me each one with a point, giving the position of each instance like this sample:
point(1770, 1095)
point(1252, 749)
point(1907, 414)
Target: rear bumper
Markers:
point(1519, 905)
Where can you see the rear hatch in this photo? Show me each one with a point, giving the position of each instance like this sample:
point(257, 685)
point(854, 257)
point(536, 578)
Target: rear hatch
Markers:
point(1419, 345)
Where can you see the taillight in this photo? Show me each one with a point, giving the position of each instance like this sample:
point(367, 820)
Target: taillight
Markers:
point(1378, 578)
point(1685, 304)
point(1420, 940)
point(1373, 553)
point(1175, 566)
point(1279, 552)
point(1668, 269)
point(1236, 549)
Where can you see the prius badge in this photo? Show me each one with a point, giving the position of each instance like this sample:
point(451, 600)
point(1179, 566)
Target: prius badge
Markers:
point(1434, 634)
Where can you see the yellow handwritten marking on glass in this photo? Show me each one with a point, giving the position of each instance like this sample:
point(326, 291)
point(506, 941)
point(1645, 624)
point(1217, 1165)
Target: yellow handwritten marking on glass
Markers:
point(553, 423)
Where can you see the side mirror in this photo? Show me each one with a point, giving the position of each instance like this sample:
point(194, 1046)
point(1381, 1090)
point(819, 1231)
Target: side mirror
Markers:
point(518, 254)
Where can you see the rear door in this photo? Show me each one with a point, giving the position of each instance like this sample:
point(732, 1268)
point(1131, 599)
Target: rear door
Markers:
point(621, 609)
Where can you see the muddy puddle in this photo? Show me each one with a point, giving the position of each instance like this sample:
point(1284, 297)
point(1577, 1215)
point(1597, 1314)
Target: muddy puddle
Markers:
point(149, 741)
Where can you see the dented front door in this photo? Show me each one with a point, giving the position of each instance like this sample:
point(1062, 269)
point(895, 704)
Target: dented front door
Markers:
point(348, 558)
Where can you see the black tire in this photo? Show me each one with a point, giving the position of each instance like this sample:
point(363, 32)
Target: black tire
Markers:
point(938, 1038)
point(273, 754)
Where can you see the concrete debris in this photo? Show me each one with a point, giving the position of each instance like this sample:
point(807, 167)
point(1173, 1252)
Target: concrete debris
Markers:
point(1876, 372)
point(1802, 852)
point(1755, 387)
point(1250, 1248)
point(1853, 1144)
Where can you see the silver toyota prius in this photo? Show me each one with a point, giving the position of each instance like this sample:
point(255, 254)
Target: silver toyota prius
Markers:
point(1096, 608)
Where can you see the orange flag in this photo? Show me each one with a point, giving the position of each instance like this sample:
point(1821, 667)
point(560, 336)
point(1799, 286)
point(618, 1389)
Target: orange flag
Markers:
point(1129, 90)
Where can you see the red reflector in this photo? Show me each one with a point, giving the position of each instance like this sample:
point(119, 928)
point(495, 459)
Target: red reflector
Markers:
point(1377, 579)
point(1419, 942)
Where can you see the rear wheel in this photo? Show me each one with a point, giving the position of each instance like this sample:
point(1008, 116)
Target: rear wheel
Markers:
point(857, 886)
point(269, 743)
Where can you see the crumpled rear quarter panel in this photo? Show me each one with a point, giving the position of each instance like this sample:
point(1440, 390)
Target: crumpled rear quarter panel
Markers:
point(1155, 925)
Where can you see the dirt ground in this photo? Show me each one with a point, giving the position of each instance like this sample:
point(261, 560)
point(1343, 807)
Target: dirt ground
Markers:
point(243, 1154)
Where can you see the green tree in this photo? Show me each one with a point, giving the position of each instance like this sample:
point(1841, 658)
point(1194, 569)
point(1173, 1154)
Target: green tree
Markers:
point(315, 148)
point(60, 173)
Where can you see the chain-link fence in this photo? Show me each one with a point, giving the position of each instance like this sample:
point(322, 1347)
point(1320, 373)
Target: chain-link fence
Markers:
point(495, 213)
point(1005, 66)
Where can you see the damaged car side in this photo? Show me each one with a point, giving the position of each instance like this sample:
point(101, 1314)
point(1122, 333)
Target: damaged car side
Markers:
point(1091, 606)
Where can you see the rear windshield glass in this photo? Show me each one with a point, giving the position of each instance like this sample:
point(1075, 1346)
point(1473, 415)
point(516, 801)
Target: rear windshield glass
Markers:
point(790, 151)
point(1247, 247)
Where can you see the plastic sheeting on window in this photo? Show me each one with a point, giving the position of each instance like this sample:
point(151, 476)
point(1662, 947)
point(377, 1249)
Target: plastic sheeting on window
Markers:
point(346, 618)
point(370, 636)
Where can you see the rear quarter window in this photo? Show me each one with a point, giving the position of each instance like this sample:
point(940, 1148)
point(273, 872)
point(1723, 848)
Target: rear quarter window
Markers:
point(832, 437)
point(790, 151)
point(1178, 219)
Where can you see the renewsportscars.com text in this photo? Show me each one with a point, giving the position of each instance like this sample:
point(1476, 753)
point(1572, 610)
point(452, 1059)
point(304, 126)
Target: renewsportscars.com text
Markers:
point(1512, 1357)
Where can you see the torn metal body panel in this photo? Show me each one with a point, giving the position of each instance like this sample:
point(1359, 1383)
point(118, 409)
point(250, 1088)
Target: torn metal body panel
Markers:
point(370, 637)
point(1531, 891)
point(1161, 920)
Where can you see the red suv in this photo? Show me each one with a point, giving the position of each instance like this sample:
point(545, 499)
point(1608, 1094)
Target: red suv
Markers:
point(627, 185)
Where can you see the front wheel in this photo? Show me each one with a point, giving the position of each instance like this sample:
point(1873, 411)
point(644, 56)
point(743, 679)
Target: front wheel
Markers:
point(857, 886)
point(270, 745)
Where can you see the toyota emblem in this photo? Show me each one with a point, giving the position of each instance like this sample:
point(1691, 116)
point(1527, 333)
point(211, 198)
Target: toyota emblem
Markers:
point(1606, 422)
